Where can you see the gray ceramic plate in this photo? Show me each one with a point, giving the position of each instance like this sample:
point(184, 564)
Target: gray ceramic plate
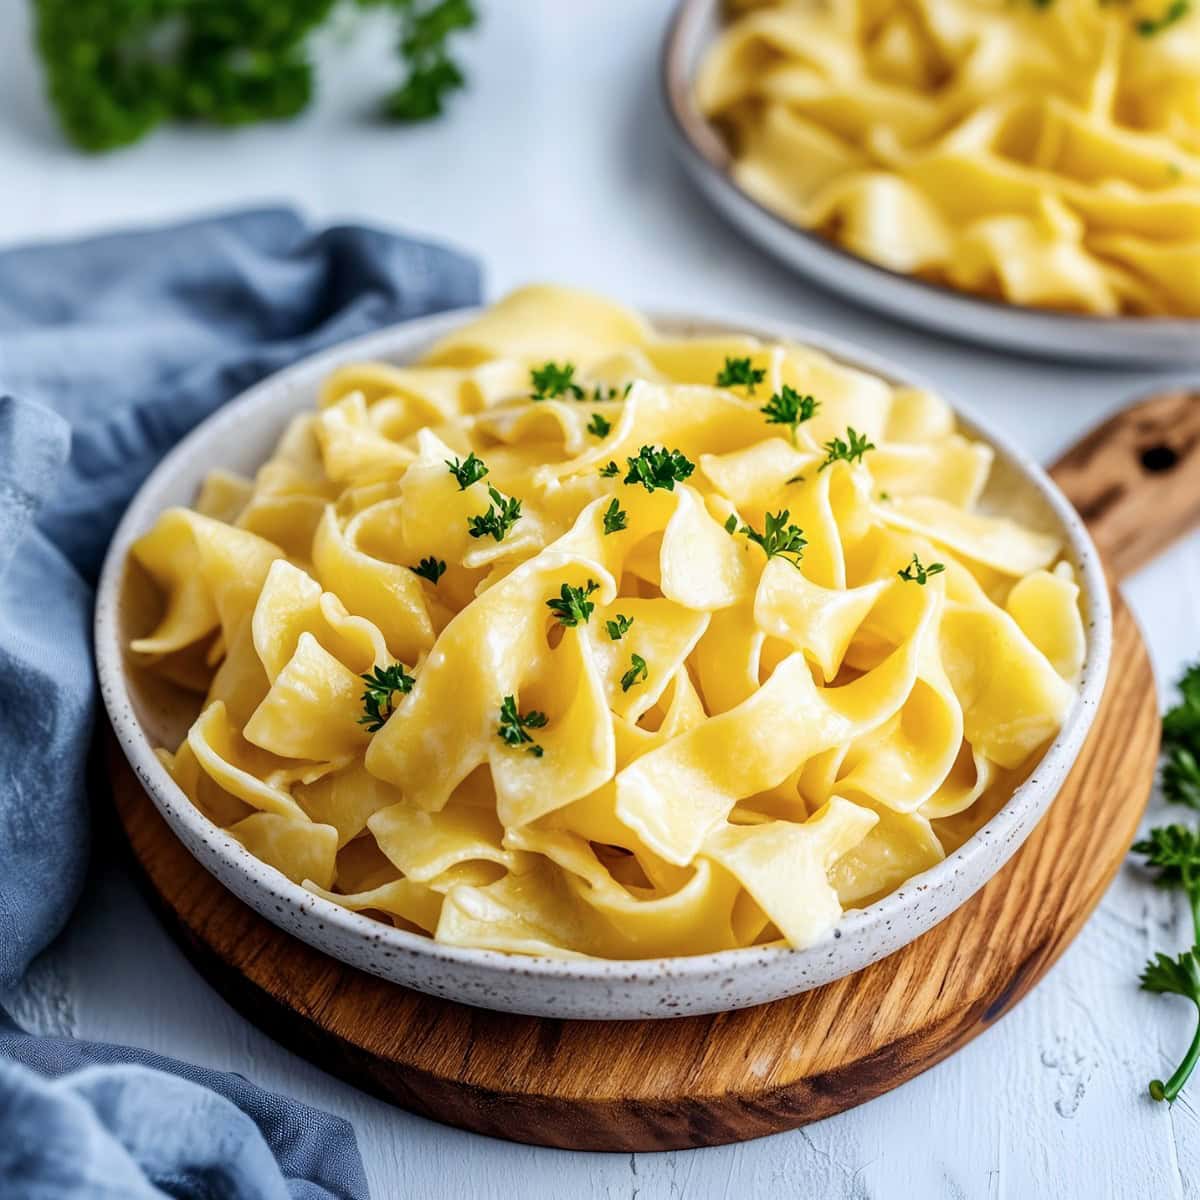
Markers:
point(1160, 340)
point(147, 712)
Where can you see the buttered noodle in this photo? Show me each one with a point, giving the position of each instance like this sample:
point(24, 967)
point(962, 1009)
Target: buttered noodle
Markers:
point(806, 729)
point(1043, 153)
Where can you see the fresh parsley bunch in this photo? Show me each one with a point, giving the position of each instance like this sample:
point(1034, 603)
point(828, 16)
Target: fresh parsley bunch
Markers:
point(117, 68)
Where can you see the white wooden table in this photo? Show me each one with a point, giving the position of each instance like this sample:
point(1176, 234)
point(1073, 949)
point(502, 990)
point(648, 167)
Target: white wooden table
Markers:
point(555, 165)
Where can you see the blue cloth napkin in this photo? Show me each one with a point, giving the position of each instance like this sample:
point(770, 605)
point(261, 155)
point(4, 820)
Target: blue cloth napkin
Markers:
point(111, 349)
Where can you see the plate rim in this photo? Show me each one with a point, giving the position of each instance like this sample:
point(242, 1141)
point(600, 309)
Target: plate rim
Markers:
point(707, 153)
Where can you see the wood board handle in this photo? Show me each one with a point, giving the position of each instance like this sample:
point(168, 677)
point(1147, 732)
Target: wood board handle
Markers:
point(1135, 479)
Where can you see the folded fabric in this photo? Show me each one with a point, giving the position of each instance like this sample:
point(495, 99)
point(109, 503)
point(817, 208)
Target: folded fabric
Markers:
point(83, 1119)
point(110, 350)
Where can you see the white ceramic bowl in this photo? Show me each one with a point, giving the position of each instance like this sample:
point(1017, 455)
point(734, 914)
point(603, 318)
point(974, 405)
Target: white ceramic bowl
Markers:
point(1159, 340)
point(147, 712)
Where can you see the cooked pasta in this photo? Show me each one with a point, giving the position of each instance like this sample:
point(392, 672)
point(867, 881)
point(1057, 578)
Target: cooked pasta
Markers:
point(574, 638)
point(1042, 152)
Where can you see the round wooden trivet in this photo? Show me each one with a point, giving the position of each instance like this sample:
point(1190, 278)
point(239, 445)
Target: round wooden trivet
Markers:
point(698, 1081)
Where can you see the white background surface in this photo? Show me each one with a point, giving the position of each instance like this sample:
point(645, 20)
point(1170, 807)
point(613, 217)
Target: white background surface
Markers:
point(556, 165)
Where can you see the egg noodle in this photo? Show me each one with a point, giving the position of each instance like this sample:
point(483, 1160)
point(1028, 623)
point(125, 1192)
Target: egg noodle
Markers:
point(552, 644)
point(1043, 152)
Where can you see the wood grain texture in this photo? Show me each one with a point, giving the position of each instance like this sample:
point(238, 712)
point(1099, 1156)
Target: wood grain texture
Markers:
point(695, 1081)
point(1136, 479)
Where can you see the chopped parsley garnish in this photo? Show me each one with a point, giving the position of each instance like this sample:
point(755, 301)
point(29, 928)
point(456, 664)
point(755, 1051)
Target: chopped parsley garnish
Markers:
point(599, 426)
point(550, 381)
point(571, 606)
point(778, 539)
point(731, 523)
point(915, 572)
point(615, 517)
point(600, 393)
point(1176, 10)
point(789, 407)
point(430, 568)
point(609, 470)
point(638, 672)
point(738, 372)
point(618, 627)
point(513, 725)
point(794, 479)
point(470, 470)
point(657, 467)
point(500, 517)
point(383, 684)
point(853, 448)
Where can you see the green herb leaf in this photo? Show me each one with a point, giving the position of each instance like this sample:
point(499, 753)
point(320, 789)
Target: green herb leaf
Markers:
point(550, 381)
point(738, 372)
point(378, 701)
point(638, 672)
point(599, 426)
point(609, 470)
point(1176, 10)
point(789, 407)
point(615, 517)
point(657, 467)
point(470, 470)
point(600, 393)
point(513, 725)
point(916, 573)
point(571, 606)
point(500, 517)
point(731, 523)
point(1181, 725)
point(853, 448)
point(1179, 976)
point(430, 568)
point(778, 539)
point(618, 627)
point(1181, 777)
point(424, 31)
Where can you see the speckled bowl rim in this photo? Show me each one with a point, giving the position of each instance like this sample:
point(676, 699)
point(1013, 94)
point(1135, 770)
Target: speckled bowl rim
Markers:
point(402, 341)
point(708, 153)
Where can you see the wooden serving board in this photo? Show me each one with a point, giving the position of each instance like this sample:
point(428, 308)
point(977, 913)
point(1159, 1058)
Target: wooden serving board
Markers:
point(698, 1081)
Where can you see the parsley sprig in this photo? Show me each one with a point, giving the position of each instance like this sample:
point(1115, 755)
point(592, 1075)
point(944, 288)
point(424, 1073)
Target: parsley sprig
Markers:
point(615, 517)
point(618, 627)
point(739, 372)
point(854, 447)
point(470, 470)
point(549, 381)
point(571, 606)
point(610, 469)
point(1173, 851)
point(430, 568)
point(638, 672)
point(1176, 10)
point(918, 573)
point(657, 467)
point(499, 519)
point(384, 684)
point(789, 407)
point(1181, 743)
point(513, 725)
point(779, 539)
point(599, 426)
